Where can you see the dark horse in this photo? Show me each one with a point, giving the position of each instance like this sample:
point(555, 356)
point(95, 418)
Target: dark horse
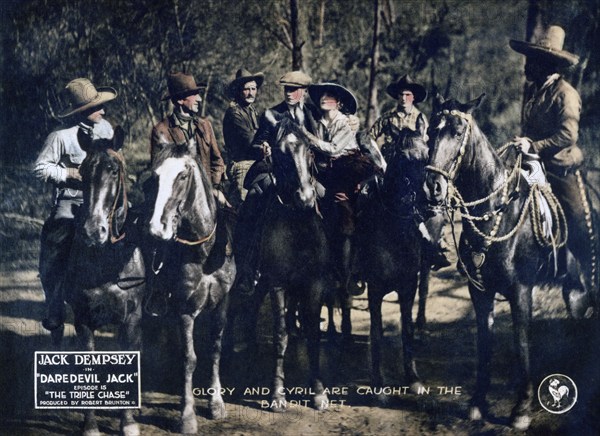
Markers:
point(105, 277)
point(390, 247)
point(502, 249)
point(189, 260)
point(294, 256)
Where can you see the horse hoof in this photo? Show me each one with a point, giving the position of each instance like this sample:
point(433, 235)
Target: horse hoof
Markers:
point(130, 430)
point(417, 387)
point(521, 423)
point(382, 400)
point(217, 410)
point(92, 432)
point(189, 426)
point(475, 414)
point(280, 407)
point(321, 402)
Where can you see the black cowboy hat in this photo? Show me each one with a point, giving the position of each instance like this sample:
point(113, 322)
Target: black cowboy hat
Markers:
point(405, 82)
point(182, 85)
point(83, 95)
point(242, 77)
point(548, 47)
point(344, 96)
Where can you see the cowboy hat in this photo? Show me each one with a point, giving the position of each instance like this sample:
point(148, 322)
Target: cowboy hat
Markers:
point(83, 95)
point(242, 77)
point(405, 82)
point(548, 47)
point(344, 96)
point(297, 79)
point(182, 85)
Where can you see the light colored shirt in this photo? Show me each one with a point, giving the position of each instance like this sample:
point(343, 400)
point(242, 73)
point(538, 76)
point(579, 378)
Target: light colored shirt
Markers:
point(336, 137)
point(62, 150)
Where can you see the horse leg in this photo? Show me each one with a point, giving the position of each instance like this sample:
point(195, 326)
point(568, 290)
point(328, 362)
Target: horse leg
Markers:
point(346, 303)
point(376, 335)
point(278, 403)
point(216, 404)
point(85, 337)
point(188, 423)
point(520, 306)
point(406, 295)
point(311, 310)
point(483, 302)
point(423, 293)
point(330, 303)
point(130, 338)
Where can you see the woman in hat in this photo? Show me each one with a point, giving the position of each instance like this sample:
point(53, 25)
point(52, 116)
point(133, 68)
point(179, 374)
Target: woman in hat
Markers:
point(550, 128)
point(342, 166)
point(58, 164)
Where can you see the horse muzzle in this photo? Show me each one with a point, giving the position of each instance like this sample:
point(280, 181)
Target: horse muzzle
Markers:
point(95, 231)
point(306, 197)
point(436, 188)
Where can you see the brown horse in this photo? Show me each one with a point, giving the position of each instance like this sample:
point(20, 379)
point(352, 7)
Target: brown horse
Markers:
point(105, 278)
point(189, 260)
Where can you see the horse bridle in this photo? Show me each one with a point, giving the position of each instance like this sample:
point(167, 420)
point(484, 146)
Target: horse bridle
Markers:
point(121, 189)
point(451, 173)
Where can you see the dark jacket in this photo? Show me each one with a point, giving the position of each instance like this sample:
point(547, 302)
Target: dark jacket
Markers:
point(239, 126)
point(266, 131)
point(206, 143)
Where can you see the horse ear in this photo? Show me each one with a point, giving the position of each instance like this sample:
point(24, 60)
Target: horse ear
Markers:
point(474, 104)
point(438, 101)
point(118, 138)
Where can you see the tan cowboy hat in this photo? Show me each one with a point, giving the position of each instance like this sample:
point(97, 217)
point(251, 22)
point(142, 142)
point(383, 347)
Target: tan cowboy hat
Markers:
point(549, 47)
point(296, 78)
point(405, 82)
point(242, 77)
point(344, 96)
point(182, 85)
point(83, 95)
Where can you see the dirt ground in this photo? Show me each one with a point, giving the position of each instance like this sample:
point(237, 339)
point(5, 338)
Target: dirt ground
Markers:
point(446, 359)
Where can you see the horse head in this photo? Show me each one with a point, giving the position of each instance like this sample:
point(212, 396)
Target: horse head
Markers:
point(103, 177)
point(403, 178)
point(450, 133)
point(179, 192)
point(292, 163)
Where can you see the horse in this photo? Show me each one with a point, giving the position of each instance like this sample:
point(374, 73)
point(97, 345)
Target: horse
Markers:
point(499, 211)
point(186, 246)
point(390, 244)
point(293, 257)
point(105, 272)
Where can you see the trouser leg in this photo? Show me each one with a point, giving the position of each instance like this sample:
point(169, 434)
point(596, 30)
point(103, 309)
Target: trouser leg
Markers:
point(55, 247)
point(571, 193)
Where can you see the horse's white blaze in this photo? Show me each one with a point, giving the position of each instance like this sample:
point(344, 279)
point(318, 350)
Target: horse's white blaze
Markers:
point(166, 173)
point(98, 209)
point(442, 124)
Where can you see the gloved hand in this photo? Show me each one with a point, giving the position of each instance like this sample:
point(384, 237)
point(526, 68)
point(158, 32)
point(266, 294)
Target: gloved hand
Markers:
point(522, 144)
point(220, 199)
point(354, 123)
point(73, 173)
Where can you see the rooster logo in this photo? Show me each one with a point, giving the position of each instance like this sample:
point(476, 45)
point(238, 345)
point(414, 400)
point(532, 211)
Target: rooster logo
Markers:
point(557, 393)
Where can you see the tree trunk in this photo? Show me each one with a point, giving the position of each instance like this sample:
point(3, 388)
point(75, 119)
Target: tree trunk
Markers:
point(297, 61)
point(372, 106)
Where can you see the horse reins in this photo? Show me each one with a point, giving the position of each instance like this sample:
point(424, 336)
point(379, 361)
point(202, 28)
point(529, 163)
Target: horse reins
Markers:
point(121, 189)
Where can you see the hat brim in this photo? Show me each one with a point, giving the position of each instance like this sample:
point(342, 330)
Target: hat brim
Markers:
point(418, 91)
point(105, 94)
point(561, 57)
point(233, 87)
point(183, 94)
point(346, 97)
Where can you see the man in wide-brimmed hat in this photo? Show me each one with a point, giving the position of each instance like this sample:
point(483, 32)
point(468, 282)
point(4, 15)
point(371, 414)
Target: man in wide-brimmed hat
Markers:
point(58, 163)
point(240, 124)
point(184, 123)
point(406, 116)
point(258, 180)
point(550, 128)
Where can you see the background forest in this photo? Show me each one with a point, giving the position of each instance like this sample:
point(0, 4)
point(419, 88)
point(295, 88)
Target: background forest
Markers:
point(459, 47)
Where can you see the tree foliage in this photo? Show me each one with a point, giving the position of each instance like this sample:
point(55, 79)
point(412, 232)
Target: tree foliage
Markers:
point(457, 47)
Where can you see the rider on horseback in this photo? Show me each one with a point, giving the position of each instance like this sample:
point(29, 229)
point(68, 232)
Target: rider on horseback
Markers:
point(407, 117)
point(58, 163)
point(550, 124)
